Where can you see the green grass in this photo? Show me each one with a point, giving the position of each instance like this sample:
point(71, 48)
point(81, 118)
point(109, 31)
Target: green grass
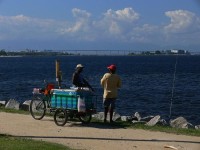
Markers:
point(156, 128)
point(17, 143)
point(8, 110)
point(3, 109)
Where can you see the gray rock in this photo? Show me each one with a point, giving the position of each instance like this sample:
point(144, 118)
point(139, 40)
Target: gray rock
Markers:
point(153, 121)
point(2, 103)
point(137, 115)
point(197, 127)
point(116, 116)
point(147, 118)
point(26, 105)
point(187, 126)
point(180, 122)
point(12, 104)
point(100, 116)
point(129, 118)
point(162, 122)
point(125, 118)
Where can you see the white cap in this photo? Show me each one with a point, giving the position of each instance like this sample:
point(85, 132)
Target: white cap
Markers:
point(79, 66)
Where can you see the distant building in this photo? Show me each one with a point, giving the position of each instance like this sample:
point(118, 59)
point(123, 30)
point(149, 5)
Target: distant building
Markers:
point(175, 51)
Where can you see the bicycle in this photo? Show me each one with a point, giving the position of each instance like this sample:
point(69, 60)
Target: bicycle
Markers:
point(41, 101)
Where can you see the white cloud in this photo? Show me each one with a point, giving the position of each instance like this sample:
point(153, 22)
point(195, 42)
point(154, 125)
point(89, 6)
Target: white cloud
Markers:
point(145, 33)
point(80, 13)
point(119, 26)
point(126, 14)
point(184, 28)
point(23, 27)
point(81, 28)
point(82, 21)
point(181, 20)
point(116, 24)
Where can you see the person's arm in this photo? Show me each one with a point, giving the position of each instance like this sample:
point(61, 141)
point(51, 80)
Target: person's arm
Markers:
point(88, 85)
point(75, 79)
point(103, 80)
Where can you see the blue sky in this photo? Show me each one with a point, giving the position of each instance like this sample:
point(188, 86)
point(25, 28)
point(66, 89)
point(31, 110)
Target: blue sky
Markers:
point(100, 25)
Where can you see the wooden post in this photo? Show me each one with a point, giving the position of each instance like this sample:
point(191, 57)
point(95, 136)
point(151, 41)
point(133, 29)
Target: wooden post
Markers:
point(58, 73)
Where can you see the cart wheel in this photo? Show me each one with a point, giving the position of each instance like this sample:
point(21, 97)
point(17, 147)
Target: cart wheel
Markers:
point(60, 117)
point(85, 117)
point(37, 107)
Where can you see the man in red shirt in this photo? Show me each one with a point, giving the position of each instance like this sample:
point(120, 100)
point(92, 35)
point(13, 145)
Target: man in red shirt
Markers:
point(110, 83)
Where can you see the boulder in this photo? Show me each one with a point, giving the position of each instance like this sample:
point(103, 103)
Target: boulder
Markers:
point(116, 116)
point(126, 118)
point(26, 105)
point(100, 116)
point(12, 104)
point(137, 115)
point(187, 126)
point(180, 122)
point(153, 121)
point(197, 127)
point(147, 118)
point(162, 122)
point(2, 103)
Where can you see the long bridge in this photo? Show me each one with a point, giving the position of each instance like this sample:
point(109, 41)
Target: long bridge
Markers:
point(125, 52)
point(101, 52)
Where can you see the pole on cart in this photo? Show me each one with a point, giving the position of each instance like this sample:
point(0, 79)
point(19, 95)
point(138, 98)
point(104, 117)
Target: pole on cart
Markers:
point(58, 73)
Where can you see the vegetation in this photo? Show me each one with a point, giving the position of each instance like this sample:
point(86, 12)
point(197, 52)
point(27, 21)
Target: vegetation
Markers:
point(19, 143)
point(3, 109)
point(3, 52)
point(159, 128)
point(28, 52)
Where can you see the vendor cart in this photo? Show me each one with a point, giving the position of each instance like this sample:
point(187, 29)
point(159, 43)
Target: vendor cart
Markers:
point(74, 102)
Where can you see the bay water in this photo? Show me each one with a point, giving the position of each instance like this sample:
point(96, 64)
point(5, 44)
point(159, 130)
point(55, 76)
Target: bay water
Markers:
point(151, 85)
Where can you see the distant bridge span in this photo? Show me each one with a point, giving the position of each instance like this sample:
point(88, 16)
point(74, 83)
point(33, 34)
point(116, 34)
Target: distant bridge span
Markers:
point(102, 52)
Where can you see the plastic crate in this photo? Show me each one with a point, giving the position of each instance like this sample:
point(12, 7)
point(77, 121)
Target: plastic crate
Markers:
point(68, 98)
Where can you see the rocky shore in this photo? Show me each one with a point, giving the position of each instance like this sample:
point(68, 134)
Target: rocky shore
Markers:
point(136, 118)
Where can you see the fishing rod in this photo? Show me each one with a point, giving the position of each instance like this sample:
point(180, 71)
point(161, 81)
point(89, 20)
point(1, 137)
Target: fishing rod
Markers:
point(173, 87)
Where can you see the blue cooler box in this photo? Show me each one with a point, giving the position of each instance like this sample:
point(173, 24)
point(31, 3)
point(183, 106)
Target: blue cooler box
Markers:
point(68, 98)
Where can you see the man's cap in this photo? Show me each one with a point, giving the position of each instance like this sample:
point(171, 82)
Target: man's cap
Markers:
point(112, 67)
point(79, 66)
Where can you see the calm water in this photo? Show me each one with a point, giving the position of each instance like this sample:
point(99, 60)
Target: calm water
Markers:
point(147, 81)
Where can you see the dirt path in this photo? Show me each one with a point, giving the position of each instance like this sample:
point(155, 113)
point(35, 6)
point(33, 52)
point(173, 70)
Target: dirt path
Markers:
point(93, 137)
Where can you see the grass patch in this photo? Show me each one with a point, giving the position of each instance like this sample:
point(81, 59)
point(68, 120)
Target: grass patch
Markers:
point(17, 143)
point(168, 129)
point(159, 128)
point(9, 110)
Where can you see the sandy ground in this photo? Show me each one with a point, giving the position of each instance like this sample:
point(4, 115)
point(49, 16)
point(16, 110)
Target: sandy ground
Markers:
point(93, 136)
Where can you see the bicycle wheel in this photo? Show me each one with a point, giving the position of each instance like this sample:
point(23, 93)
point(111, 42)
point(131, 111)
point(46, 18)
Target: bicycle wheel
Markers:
point(85, 117)
point(37, 107)
point(60, 117)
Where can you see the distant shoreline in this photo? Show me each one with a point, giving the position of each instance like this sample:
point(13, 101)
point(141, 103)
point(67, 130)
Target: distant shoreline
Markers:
point(11, 56)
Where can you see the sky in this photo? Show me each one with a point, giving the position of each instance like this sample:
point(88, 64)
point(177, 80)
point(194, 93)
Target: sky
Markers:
point(100, 24)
